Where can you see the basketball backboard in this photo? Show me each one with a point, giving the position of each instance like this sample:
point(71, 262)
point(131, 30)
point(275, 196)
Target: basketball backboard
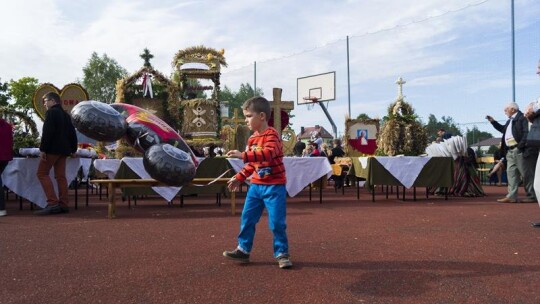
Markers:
point(321, 86)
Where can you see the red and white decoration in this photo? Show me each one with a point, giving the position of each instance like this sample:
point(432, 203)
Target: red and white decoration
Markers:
point(147, 85)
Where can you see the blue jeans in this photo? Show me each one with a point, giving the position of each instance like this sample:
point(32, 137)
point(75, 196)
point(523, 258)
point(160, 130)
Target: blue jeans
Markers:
point(273, 198)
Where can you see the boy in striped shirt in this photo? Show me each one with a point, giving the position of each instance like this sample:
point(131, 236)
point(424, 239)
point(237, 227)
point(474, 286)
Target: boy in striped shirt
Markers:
point(263, 160)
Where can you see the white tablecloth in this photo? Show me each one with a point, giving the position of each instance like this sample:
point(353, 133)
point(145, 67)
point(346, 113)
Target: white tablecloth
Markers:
point(111, 166)
point(108, 167)
point(20, 177)
point(301, 171)
point(404, 168)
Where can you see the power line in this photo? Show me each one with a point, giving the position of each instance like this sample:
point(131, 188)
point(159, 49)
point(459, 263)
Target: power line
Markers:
point(473, 123)
point(423, 19)
point(397, 26)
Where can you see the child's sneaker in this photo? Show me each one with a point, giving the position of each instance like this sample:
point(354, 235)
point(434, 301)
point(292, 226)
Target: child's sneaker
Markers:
point(237, 255)
point(284, 262)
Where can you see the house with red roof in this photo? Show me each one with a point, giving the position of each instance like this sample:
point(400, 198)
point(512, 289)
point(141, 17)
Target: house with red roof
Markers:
point(308, 133)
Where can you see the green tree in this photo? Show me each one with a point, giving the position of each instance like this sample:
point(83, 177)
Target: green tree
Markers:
point(4, 94)
point(19, 113)
point(363, 116)
point(100, 77)
point(226, 94)
point(22, 91)
point(446, 123)
point(474, 135)
point(492, 149)
point(191, 94)
point(236, 99)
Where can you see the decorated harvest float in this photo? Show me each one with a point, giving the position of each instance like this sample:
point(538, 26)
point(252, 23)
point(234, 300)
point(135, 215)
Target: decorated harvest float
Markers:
point(151, 111)
point(201, 117)
point(180, 102)
point(402, 133)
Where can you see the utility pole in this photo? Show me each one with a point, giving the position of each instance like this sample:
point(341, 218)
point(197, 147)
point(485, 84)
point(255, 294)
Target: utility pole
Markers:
point(513, 57)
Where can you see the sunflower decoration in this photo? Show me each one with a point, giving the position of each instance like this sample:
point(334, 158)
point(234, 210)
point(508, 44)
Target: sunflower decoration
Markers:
point(402, 133)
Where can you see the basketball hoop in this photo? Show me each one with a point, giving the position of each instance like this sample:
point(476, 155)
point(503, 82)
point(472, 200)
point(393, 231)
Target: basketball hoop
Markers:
point(313, 100)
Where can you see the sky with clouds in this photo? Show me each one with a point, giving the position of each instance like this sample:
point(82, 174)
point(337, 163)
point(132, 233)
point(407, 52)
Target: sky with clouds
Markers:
point(455, 55)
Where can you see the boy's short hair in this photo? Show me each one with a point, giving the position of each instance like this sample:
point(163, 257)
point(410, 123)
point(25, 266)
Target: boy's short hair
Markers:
point(53, 96)
point(259, 105)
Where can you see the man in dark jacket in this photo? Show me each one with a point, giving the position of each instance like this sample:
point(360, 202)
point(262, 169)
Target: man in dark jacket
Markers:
point(517, 154)
point(58, 141)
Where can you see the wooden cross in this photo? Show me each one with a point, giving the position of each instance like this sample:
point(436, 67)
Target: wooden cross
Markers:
point(146, 56)
point(235, 120)
point(277, 105)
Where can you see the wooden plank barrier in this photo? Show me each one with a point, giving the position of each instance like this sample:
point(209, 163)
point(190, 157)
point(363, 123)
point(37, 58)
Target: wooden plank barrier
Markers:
point(113, 184)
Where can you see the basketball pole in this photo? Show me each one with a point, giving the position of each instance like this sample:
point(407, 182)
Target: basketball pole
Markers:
point(334, 128)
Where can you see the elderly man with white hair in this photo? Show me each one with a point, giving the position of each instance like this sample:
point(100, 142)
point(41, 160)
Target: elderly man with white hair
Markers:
point(513, 144)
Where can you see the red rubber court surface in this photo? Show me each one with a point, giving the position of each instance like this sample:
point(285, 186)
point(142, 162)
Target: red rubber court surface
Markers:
point(464, 250)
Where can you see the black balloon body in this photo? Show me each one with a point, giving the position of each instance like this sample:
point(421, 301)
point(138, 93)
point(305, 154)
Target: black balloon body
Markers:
point(124, 109)
point(146, 129)
point(98, 120)
point(169, 165)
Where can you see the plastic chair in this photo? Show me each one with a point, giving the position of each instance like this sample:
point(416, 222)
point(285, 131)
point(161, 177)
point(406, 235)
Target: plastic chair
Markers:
point(485, 164)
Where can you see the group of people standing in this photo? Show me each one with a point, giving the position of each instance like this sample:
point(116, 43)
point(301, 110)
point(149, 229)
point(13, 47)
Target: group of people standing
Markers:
point(520, 158)
point(317, 148)
point(520, 152)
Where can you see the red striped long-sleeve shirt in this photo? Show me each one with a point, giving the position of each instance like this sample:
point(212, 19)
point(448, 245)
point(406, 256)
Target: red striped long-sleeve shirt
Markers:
point(264, 159)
